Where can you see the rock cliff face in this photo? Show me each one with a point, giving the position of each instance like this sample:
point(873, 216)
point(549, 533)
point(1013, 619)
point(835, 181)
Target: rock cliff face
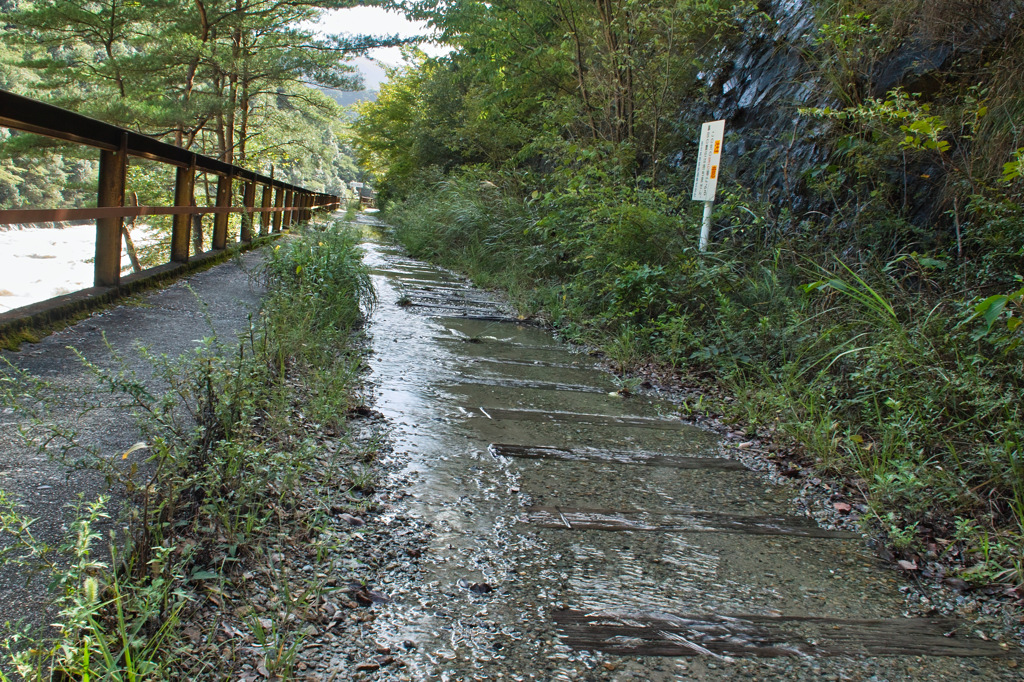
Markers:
point(778, 67)
point(758, 90)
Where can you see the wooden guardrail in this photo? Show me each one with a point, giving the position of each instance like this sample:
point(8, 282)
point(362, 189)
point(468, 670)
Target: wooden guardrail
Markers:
point(281, 203)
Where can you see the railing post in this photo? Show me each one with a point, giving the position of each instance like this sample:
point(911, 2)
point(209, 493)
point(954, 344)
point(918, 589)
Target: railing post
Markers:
point(220, 220)
point(113, 175)
point(307, 202)
point(182, 225)
point(250, 202)
point(278, 203)
point(268, 193)
point(289, 203)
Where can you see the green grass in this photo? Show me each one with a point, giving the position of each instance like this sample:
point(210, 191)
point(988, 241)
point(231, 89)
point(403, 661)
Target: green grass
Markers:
point(894, 385)
point(230, 447)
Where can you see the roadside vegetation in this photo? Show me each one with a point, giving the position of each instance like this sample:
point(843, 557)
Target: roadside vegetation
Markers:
point(868, 305)
point(246, 456)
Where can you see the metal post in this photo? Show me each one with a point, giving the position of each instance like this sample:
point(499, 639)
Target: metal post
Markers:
point(278, 203)
point(250, 202)
point(113, 173)
point(705, 230)
point(268, 193)
point(289, 203)
point(220, 220)
point(182, 225)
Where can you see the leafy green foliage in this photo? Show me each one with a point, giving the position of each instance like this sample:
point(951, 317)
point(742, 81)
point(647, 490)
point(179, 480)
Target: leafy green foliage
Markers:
point(228, 79)
point(223, 454)
point(546, 82)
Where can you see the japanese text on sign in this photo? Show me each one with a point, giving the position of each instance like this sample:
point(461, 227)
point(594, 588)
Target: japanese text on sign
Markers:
point(705, 183)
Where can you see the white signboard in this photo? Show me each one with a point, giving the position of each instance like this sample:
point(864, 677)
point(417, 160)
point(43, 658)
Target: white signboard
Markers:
point(706, 180)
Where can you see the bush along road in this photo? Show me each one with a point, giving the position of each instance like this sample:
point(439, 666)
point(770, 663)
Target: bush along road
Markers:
point(186, 551)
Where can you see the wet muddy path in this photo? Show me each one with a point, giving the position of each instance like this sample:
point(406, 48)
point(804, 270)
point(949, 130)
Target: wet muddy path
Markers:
point(574, 534)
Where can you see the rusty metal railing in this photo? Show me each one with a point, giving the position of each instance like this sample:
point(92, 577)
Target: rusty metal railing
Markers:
point(281, 203)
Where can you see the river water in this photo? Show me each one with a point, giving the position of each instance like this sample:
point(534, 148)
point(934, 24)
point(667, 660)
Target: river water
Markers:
point(575, 533)
point(38, 263)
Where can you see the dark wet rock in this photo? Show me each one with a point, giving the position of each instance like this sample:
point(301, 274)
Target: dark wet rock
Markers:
point(759, 83)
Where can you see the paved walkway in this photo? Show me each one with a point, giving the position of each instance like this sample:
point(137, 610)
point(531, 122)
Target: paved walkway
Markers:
point(169, 321)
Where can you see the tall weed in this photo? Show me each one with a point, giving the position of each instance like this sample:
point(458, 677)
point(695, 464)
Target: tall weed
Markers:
point(224, 454)
point(879, 373)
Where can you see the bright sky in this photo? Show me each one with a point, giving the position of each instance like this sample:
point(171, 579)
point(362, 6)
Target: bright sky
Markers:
point(376, 21)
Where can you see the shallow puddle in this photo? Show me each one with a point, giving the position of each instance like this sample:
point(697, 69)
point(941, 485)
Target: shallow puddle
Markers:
point(576, 534)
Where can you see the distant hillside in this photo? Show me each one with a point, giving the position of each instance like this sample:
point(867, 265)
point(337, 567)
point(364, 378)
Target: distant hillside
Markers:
point(347, 98)
point(372, 71)
point(373, 75)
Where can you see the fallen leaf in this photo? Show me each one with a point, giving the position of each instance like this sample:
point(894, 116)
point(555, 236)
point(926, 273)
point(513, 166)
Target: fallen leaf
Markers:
point(907, 565)
point(957, 583)
point(841, 507)
point(362, 596)
point(134, 448)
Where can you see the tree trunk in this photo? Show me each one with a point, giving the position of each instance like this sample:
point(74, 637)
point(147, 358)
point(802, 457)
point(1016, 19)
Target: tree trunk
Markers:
point(126, 232)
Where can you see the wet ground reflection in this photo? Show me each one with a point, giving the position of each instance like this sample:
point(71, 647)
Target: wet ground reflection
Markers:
point(499, 428)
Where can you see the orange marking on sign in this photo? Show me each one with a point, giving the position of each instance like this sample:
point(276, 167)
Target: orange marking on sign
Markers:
point(718, 146)
point(714, 172)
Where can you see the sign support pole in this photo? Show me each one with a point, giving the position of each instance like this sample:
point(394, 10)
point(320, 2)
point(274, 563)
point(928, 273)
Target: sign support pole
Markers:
point(705, 228)
point(705, 180)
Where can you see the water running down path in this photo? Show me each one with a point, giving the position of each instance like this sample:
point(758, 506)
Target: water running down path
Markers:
point(578, 535)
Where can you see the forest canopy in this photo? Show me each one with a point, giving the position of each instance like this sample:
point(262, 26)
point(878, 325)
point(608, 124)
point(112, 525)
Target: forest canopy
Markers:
point(239, 80)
